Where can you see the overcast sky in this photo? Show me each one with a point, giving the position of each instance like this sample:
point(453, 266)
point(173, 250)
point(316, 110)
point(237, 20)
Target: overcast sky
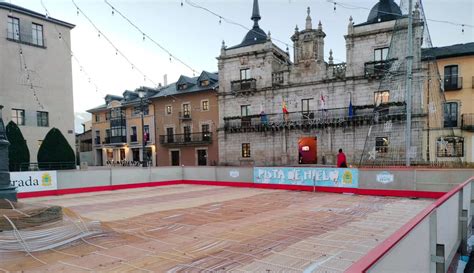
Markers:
point(195, 36)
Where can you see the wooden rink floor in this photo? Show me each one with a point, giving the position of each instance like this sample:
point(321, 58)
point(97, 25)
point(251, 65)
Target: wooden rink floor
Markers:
point(191, 228)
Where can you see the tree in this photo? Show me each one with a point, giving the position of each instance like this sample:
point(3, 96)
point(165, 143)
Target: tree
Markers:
point(55, 153)
point(18, 150)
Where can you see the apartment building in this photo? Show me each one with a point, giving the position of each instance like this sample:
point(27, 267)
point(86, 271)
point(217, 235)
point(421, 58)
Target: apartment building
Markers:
point(186, 115)
point(453, 139)
point(36, 74)
point(117, 137)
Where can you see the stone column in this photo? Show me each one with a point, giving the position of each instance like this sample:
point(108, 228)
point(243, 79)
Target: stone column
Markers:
point(6, 191)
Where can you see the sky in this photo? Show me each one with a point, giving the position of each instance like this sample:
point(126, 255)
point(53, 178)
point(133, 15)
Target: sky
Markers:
point(195, 36)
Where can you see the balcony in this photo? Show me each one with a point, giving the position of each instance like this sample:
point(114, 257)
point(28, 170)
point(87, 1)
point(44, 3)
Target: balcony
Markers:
point(377, 69)
point(305, 120)
point(115, 140)
point(452, 83)
point(244, 87)
point(185, 116)
point(26, 38)
point(467, 122)
point(186, 139)
point(133, 138)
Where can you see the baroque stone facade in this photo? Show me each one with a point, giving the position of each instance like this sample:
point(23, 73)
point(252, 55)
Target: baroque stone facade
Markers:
point(268, 103)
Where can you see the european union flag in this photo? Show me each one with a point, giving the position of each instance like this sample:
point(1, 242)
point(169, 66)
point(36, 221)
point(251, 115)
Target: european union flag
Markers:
point(351, 110)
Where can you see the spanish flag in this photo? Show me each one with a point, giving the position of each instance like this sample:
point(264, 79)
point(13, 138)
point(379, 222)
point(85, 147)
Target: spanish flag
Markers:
point(285, 110)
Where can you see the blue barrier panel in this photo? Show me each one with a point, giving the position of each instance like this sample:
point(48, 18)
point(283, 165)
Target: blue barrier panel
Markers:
point(325, 177)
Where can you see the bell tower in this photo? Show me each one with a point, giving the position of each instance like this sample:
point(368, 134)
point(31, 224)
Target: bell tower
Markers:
point(309, 43)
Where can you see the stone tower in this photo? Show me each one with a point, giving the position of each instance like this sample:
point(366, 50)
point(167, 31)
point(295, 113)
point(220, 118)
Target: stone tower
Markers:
point(308, 43)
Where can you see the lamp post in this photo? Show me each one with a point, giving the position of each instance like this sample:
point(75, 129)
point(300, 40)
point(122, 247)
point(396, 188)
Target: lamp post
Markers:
point(6, 191)
point(141, 94)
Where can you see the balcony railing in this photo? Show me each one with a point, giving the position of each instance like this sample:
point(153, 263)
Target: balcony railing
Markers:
point(26, 38)
point(243, 86)
point(185, 115)
point(115, 140)
point(186, 139)
point(452, 83)
point(133, 138)
point(377, 69)
point(278, 78)
point(339, 117)
point(97, 140)
point(467, 122)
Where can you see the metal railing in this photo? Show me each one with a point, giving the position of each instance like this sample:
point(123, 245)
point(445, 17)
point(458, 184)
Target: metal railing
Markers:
point(26, 38)
point(186, 139)
point(278, 78)
point(467, 122)
point(313, 119)
point(40, 166)
point(243, 85)
point(377, 68)
point(452, 83)
point(184, 115)
point(133, 138)
point(115, 139)
point(97, 141)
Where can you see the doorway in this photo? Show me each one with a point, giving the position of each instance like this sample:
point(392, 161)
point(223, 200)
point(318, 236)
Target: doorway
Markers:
point(174, 158)
point(98, 157)
point(307, 150)
point(202, 157)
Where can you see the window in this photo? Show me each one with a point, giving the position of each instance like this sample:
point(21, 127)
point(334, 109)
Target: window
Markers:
point(450, 114)
point(97, 117)
point(187, 133)
point(245, 74)
point(13, 28)
point(133, 135)
point(381, 97)
point(18, 116)
point(146, 132)
point(452, 81)
point(107, 115)
point(168, 109)
point(380, 54)
point(205, 105)
point(206, 136)
point(97, 137)
point(186, 110)
point(42, 119)
point(37, 34)
point(245, 149)
point(305, 105)
point(205, 83)
point(182, 86)
point(450, 147)
point(381, 144)
point(137, 111)
point(244, 110)
point(170, 135)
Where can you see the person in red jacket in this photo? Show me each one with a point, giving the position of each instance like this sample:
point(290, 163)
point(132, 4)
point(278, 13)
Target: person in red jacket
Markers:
point(341, 160)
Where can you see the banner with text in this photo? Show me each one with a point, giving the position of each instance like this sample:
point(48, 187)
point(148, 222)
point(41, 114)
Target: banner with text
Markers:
point(34, 181)
point(325, 177)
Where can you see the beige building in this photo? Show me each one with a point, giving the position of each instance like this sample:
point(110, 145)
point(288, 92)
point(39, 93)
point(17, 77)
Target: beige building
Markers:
point(452, 139)
point(36, 74)
point(117, 130)
point(186, 114)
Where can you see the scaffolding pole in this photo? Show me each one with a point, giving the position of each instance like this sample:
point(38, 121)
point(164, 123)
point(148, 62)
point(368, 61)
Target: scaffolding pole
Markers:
point(409, 77)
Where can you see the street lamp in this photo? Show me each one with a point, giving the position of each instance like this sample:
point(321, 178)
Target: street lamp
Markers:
point(141, 94)
point(6, 191)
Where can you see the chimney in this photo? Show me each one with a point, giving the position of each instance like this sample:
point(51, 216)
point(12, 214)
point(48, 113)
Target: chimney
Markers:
point(165, 80)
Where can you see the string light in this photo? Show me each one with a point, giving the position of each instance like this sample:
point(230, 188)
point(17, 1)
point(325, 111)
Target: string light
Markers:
point(113, 11)
point(220, 20)
point(149, 38)
point(335, 6)
point(111, 43)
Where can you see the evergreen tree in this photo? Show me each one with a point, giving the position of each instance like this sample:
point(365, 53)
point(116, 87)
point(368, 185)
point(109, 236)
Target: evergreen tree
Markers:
point(18, 150)
point(55, 153)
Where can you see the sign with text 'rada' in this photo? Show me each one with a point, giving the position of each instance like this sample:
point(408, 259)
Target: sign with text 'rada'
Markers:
point(325, 177)
point(34, 181)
